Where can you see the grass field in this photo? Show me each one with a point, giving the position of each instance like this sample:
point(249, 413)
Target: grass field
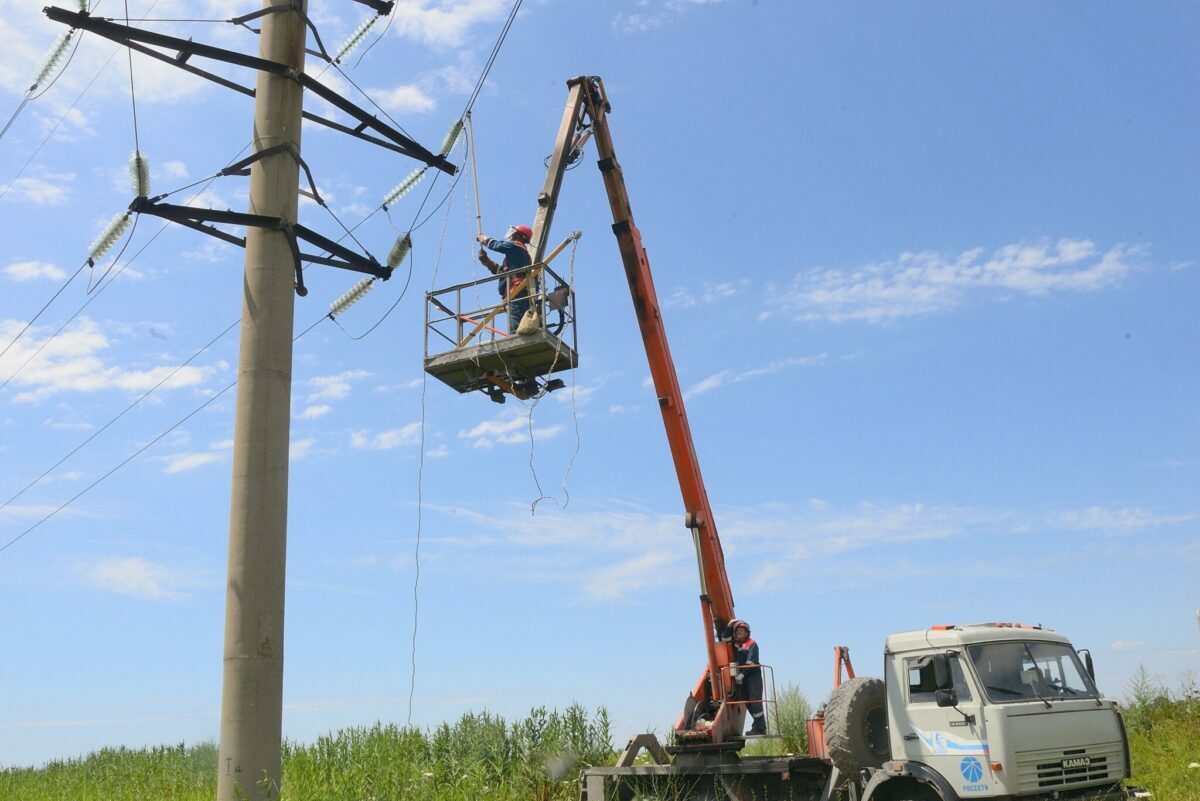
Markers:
point(537, 758)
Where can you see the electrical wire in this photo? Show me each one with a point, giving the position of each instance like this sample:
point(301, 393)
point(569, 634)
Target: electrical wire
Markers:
point(121, 414)
point(40, 311)
point(492, 58)
point(74, 103)
point(542, 496)
point(29, 94)
point(132, 95)
point(412, 686)
point(102, 285)
point(382, 33)
point(117, 258)
point(136, 453)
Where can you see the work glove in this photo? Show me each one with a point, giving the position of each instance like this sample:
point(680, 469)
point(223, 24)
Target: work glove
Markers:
point(739, 678)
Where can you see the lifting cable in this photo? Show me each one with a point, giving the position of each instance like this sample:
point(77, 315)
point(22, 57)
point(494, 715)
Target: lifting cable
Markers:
point(542, 496)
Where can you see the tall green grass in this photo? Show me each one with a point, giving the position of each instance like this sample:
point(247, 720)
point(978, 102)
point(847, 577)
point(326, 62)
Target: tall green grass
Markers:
point(538, 757)
point(482, 756)
point(1164, 736)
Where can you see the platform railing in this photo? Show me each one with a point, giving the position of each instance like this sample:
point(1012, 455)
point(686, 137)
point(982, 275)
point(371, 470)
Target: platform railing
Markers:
point(458, 317)
point(770, 707)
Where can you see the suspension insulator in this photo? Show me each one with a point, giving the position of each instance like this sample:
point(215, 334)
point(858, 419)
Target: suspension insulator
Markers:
point(451, 138)
point(109, 236)
point(404, 187)
point(356, 293)
point(399, 250)
point(50, 62)
point(355, 39)
point(139, 174)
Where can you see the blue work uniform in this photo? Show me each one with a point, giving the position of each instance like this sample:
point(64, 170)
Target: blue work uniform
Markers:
point(515, 258)
point(746, 653)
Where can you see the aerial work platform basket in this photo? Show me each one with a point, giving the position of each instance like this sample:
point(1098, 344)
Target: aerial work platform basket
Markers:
point(472, 344)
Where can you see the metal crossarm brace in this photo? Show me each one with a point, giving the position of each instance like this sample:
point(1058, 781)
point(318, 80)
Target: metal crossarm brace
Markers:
point(295, 6)
point(131, 37)
point(340, 256)
point(381, 8)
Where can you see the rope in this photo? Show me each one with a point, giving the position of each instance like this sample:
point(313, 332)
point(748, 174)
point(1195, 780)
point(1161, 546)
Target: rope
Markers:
point(135, 454)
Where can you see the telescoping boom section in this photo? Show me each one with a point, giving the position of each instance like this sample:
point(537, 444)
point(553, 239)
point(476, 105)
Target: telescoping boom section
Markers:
point(707, 718)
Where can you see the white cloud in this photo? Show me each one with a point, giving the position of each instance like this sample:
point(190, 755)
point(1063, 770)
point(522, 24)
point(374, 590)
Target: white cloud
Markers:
point(706, 295)
point(47, 191)
point(403, 98)
point(314, 411)
point(444, 22)
point(183, 462)
point(71, 363)
point(928, 282)
point(172, 170)
point(507, 428)
point(299, 448)
point(1122, 520)
point(30, 270)
point(136, 577)
point(1124, 645)
point(386, 440)
point(727, 377)
point(334, 387)
point(655, 14)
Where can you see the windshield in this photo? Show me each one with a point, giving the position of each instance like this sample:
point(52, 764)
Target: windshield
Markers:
point(1030, 671)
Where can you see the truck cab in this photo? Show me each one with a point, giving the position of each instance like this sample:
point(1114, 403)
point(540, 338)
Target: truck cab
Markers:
point(998, 710)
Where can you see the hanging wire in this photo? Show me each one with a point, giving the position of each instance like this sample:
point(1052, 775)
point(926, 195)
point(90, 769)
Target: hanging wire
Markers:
point(437, 263)
point(137, 453)
point(542, 496)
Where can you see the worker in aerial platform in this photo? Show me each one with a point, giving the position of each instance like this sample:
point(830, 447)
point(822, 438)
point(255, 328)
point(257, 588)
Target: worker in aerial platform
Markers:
point(516, 257)
point(749, 675)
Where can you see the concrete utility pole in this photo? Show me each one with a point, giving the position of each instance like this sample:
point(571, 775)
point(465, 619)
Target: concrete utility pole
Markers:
point(252, 689)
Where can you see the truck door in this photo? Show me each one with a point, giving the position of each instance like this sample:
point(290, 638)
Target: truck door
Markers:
point(951, 740)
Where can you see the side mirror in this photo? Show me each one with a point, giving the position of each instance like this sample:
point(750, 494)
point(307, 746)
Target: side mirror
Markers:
point(942, 679)
point(946, 697)
point(1088, 665)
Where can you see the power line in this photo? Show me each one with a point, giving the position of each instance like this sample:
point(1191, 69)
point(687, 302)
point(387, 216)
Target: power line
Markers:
point(40, 311)
point(102, 285)
point(121, 414)
point(136, 453)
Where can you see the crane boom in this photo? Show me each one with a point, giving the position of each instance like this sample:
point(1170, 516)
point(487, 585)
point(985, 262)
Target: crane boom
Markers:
point(706, 718)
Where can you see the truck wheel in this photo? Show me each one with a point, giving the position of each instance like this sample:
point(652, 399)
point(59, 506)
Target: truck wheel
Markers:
point(856, 731)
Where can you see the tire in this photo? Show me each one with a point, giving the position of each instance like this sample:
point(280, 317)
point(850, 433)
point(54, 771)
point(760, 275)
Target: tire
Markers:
point(856, 730)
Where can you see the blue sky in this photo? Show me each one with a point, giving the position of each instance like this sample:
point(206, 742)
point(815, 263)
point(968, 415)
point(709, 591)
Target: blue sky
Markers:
point(929, 274)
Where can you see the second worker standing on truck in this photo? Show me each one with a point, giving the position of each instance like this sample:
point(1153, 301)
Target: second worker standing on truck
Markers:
point(516, 257)
point(749, 676)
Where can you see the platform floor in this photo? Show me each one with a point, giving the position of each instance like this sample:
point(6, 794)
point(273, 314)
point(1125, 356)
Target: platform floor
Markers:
point(522, 356)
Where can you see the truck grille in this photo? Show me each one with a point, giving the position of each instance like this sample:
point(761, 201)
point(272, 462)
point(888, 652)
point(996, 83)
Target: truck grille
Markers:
point(1056, 769)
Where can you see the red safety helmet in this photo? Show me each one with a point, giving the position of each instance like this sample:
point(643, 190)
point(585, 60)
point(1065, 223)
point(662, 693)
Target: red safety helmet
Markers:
point(524, 231)
point(738, 623)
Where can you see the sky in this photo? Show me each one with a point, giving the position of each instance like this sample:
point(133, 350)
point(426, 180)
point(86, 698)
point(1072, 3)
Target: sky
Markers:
point(930, 278)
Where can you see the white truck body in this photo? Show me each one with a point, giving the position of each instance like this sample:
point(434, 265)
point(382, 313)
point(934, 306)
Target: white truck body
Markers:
point(1028, 719)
